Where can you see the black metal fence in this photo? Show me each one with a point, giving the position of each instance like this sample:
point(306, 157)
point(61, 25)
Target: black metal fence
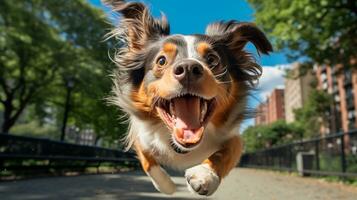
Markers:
point(334, 155)
point(24, 153)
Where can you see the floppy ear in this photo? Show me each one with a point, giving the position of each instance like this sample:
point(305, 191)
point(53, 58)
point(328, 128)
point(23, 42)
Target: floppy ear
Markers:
point(137, 26)
point(236, 35)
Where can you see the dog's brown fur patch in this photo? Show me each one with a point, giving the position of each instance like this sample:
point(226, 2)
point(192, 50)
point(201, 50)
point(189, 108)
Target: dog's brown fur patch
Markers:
point(202, 48)
point(141, 101)
point(146, 160)
point(227, 158)
point(225, 104)
point(170, 48)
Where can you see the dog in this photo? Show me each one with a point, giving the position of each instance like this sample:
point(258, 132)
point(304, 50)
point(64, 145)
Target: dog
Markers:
point(185, 95)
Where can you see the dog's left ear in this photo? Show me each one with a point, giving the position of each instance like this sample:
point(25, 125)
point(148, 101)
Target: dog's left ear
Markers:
point(137, 26)
point(236, 35)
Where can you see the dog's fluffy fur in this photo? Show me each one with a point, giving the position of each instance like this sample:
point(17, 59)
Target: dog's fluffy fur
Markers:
point(185, 95)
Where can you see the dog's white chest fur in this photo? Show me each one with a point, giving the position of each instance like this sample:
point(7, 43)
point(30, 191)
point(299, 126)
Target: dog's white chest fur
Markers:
point(156, 138)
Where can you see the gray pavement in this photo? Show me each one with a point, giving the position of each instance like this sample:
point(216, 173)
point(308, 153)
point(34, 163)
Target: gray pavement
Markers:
point(240, 184)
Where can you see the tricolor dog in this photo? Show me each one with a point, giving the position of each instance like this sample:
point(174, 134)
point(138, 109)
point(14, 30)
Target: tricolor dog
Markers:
point(185, 95)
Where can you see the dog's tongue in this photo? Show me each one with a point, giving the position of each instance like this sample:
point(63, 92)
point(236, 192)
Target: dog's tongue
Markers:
point(187, 112)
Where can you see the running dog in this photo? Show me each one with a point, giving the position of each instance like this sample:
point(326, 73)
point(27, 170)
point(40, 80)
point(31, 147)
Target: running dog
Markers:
point(185, 95)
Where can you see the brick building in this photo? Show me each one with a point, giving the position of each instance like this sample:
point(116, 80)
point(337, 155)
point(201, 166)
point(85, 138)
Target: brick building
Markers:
point(273, 109)
point(275, 106)
point(341, 83)
point(262, 116)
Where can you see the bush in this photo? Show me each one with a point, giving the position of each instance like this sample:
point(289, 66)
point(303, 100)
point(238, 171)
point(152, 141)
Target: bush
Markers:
point(264, 136)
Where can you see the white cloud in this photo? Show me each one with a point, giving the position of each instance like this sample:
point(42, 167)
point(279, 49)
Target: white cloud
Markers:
point(272, 77)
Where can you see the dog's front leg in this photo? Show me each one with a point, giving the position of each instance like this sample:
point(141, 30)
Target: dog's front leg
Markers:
point(205, 178)
point(160, 179)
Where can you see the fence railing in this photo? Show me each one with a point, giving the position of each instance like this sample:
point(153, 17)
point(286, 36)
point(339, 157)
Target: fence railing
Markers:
point(20, 152)
point(334, 155)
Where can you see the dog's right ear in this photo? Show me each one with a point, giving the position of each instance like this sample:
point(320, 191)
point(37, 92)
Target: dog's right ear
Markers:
point(137, 24)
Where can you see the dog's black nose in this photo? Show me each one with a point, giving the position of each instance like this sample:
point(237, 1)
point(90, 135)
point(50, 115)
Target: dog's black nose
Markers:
point(188, 69)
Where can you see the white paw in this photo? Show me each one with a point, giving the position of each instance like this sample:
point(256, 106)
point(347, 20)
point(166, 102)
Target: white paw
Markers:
point(161, 180)
point(202, 180)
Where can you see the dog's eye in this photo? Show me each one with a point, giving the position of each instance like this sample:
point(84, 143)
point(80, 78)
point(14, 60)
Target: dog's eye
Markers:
point(161, 61)
point(212, 59)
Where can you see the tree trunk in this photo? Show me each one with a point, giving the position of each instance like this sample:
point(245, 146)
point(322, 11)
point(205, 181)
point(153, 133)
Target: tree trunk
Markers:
point(65, 115)
point(7, 123)
point(9, 117)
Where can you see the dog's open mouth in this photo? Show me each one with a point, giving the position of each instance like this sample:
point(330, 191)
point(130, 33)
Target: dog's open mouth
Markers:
point(187, 116)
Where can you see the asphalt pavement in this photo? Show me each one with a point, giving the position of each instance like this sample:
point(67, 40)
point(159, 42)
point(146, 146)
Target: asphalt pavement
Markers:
point(245, 184)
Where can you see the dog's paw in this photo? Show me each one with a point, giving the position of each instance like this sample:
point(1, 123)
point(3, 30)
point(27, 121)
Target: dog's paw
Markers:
point(161, 180)
point(202, 180)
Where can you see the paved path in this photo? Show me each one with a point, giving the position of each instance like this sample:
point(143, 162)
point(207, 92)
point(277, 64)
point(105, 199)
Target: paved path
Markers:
point(245, 184)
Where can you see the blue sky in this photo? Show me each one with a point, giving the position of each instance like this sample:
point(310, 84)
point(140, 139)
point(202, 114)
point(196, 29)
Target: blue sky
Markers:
point(189, 16)
point(192, 16)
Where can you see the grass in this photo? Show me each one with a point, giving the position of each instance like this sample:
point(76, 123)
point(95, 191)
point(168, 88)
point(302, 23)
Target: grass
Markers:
point(336, 179)
point(330, 163)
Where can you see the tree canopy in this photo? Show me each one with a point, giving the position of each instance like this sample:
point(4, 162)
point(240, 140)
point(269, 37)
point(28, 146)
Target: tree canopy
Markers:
point(264, 136)
point(42, 45)
point(314, 113)
point(322, 31)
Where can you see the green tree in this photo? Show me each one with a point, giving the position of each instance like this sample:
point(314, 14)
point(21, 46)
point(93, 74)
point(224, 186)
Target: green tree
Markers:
point(91, 71)
point(44, 43)
point(30, 57)
point(314, 113)
point(264, 136)
point(252, 137)
point(322, 31)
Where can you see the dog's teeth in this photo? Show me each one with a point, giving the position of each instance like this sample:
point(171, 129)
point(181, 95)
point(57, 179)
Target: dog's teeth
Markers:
point(172, 110)
point(203, 111)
